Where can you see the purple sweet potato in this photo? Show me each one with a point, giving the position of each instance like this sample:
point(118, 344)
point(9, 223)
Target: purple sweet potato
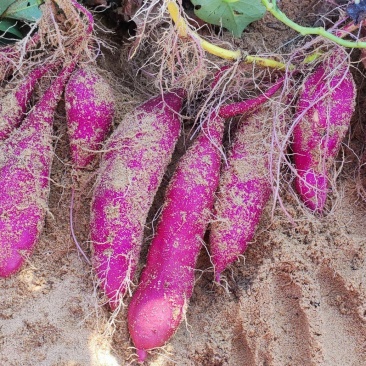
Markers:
point(89, 104)
point(137, 155)
point(14, 105)
point(235, 109)
point(244, 190)
point(10, 55)
point(25, 164)
point(159, 303)
point(324, 110)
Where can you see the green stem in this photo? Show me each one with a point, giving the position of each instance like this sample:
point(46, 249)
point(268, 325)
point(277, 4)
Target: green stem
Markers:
point(277, 13)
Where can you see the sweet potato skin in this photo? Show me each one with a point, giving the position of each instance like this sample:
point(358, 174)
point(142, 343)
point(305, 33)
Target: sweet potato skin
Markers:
point(14, 105)
point(324, 110)
point(131, 171)
point(159, 303)
point(25, 164)
point(243, 192)
point(90, 107)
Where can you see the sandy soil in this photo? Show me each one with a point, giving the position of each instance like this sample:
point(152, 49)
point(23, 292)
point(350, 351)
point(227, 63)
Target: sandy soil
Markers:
point(297, 297)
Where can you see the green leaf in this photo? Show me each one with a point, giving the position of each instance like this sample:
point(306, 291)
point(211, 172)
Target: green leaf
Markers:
point(234, 15)
point(24, 10)
point(4, 4)
point(9, 26)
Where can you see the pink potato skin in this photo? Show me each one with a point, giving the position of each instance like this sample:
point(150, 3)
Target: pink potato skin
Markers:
point(131, 170)
point(159, 302)
point(324, 109)
point(243, 192)
point(14, 105)
point(89, 105)
point(25, 163)
point(238, 108)
point(10, 55)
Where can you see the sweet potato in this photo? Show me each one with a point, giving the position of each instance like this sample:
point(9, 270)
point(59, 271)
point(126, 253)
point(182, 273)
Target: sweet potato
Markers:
point(14, 104)
point(244, 189)
point(10, 55)
point(235, 109)
point(323, 113)
point(131, 170)
point(159, 303)
point(25, 163)
point(89, 105)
